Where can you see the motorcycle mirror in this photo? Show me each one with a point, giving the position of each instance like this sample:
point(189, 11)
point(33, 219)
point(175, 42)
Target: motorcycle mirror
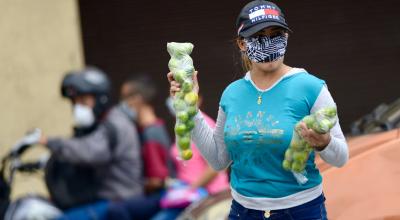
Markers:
point(31, 138)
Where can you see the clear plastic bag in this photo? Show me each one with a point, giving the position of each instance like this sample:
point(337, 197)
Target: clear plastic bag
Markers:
point(185, 101)
point(296, 156)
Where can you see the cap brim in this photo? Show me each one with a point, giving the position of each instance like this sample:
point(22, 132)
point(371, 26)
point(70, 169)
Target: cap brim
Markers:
point(258, 27)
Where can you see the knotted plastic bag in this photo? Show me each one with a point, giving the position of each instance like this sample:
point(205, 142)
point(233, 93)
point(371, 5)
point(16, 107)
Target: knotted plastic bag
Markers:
point(185, 101)
point(299, 150)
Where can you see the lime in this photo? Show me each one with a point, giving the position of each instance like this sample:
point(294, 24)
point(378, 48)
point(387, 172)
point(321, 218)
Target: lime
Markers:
point(179, 76)
point(187, 86)
point(184, 142)
point(180, 129)
point(192, 111)
point(191, 98)
point(286, 165)
point(297, 166)
point(297, 145)
point(173, 64)
point(182, 116)
point(288, 155)
point(300, 156)
point(186, 154)
point(179, 104)
point(190, 125)
point(322, 126)
point(180, 95)
point(329, 111)
point(308, 120)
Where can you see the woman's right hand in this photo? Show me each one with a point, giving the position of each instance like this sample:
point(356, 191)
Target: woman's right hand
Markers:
point(176, 87)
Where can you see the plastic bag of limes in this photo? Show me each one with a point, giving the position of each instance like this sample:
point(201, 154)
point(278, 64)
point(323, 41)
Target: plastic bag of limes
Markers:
point(185, 101)
point(296, 156)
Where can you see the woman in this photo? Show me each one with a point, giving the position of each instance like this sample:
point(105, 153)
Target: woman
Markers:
point(255, 124)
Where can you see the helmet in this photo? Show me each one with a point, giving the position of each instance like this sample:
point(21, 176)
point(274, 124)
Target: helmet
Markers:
point(89, 81)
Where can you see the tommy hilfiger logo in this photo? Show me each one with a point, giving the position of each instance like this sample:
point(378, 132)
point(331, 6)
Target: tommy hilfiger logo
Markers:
point(263, 12)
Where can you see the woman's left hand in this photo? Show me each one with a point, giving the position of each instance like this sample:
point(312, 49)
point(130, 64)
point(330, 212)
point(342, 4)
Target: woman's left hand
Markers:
point(317, 141)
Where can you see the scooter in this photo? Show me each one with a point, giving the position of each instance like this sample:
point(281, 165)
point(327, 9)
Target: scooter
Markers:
point(30, 207)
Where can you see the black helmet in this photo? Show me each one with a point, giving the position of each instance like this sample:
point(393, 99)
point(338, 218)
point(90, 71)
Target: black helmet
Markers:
point(89, 81)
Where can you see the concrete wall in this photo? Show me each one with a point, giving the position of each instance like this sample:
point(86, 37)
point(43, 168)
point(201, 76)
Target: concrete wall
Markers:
point(39, 41)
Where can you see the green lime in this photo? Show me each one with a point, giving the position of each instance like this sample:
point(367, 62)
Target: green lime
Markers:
point(179, 76)
point(180, 95)
point(182, 116)
point(297, 166)
point(187, 86)
point(329, 111)
point(179, 104)
point(308, 120)
point(288, 155)
point(301, 156)
point(180, 129)
point(190, 125)
point(192, 111)
point(184, 142)
point(191, 98)
point(186, 154)
point(322, 126)
point(287, 165)
point(173, 64)
point(297, 145)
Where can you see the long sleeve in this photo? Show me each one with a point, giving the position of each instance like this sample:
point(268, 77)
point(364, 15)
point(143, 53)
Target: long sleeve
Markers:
point(336, 153)
point(210, 142)
point(91, 149)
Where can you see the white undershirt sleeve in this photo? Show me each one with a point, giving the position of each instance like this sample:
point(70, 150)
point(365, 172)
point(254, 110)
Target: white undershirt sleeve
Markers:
point(210, 142)
point(336, 153)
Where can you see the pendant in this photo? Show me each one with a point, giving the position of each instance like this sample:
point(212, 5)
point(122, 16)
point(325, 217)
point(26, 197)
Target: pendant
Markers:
point(259, 100)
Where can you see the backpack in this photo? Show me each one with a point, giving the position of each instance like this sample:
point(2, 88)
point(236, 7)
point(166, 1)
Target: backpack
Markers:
point(72, 185)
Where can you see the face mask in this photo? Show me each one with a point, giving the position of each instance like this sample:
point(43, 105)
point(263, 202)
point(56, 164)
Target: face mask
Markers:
point(132, 114)
point(262, 49)
point(83, 116)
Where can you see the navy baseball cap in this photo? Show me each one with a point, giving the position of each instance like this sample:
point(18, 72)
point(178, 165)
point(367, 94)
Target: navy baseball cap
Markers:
point(257, 15)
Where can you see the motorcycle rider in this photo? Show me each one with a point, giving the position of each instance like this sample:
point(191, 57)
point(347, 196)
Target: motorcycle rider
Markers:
point(102, 161)
point(137, 94)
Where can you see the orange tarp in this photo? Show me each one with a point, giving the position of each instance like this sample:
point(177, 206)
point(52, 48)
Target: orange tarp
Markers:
point(368, 186)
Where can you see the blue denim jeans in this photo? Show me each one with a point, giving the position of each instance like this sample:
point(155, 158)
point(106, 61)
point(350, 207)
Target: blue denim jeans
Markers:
point(138, 207)
point(313, 210)
point(95, 211)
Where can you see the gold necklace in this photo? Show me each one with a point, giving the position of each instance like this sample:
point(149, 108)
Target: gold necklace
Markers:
point(259, 99)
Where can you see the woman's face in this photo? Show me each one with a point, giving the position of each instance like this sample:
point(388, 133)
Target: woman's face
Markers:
point(266, 66)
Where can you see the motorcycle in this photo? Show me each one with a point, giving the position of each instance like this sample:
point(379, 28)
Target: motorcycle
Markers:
point(30, 207)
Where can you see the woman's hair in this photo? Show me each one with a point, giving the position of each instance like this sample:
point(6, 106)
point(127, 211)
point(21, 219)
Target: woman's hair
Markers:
point(246, 63)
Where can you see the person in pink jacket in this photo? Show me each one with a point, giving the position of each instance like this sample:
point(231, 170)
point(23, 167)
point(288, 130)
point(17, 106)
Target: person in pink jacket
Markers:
point(194, 173)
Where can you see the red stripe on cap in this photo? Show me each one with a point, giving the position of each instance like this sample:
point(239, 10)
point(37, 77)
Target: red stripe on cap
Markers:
point(271, 12)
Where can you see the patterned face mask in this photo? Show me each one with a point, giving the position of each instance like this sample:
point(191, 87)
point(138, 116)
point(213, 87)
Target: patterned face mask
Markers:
point(262, 49)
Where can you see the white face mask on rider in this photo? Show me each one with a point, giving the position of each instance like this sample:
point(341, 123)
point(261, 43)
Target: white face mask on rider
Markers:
point(83, 116)
point(131, 113)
